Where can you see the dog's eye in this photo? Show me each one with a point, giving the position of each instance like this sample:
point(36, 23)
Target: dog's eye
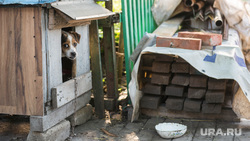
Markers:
point(75, 44)
point(66, 45)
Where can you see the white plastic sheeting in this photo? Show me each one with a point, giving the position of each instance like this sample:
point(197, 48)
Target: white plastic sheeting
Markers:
point(221, 62)
point(163, 9)
point(237, 14)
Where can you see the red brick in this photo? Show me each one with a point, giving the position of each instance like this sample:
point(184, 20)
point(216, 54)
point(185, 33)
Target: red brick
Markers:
point(211, 108)
point(192, 105)
point(217, 84)
point(152, 89)
point(174, 103)
point(180, 68)
point(164, 58)
point(208, 39)
point(177, 42)
point(180, 79)
point(150, 102)
point(160, 79)
point(198, 81)
point(148, 59)
point(194, 71)
point(161, 67)
point(215, 96)
point(196, 93)
point(173, 90)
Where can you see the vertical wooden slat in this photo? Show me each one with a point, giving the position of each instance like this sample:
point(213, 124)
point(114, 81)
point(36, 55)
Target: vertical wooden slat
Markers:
point(54, 62)
point(95, 54)
point(82, 60)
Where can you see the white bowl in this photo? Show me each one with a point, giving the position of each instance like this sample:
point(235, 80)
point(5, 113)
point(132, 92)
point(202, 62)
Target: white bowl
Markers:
point(170, 130)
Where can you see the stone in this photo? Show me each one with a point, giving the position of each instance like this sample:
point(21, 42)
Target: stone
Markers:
point(81, 116)
point(59, 132)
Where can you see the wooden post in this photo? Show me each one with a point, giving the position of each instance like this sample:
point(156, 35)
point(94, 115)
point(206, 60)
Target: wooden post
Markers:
point(96, 69)
point(110, 59)
point(121, 51)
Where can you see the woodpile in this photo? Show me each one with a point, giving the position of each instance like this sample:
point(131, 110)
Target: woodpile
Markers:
point(174, 83)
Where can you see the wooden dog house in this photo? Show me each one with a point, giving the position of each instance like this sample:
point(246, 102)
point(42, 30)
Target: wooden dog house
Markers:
point(30, 61)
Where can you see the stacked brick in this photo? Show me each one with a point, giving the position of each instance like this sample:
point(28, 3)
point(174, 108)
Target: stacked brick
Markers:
point(176, 84)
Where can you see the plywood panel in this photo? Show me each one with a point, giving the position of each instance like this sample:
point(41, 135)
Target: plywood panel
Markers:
point(71, 89)
point(20, 61)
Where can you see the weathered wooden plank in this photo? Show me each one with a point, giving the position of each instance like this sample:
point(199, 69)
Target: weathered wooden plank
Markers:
point(56, 21)
point(82, 60)
point(44, 48)
point(21, 71)
point(54, 63)
point(71, 89)
point(169, 27)
point(95, 53)
point(42, 123)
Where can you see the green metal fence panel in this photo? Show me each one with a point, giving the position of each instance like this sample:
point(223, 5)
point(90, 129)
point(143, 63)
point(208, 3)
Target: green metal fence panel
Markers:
point(137, 19)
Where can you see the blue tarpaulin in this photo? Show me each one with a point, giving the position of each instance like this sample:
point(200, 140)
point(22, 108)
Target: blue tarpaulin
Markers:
point(5, 2)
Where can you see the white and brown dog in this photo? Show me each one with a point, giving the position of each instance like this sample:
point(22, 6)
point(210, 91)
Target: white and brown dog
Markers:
point(69, 43)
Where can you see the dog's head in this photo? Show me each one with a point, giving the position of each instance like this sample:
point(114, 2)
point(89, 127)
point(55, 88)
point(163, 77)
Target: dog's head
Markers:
point(69, 43)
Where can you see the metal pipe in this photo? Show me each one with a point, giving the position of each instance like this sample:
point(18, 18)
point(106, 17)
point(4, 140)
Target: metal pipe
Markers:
point(189, 3)
point(198, 5)
point(217, 18)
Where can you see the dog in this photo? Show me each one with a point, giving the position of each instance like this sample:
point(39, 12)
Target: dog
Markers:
point(69, 43)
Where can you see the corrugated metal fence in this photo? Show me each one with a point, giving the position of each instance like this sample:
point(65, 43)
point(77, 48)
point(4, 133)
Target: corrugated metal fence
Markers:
point(137, 19)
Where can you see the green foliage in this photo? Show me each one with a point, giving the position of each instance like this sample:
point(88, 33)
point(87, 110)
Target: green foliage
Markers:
point(116, 8)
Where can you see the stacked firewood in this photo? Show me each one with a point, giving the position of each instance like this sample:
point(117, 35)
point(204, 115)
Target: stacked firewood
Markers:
point(179, 86)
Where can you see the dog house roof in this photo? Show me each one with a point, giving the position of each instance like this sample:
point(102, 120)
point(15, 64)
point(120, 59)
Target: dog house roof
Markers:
point(82, 10)
point(28, 2)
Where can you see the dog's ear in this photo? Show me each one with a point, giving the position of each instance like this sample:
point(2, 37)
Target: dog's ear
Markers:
point(76, 36)
point(64, 36)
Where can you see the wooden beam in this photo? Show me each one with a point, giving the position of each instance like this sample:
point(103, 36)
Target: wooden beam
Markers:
point(96, 64)
point(110, 59)
point(71, 89)
point(43, 123)
point(121, 57)
point(169, 27)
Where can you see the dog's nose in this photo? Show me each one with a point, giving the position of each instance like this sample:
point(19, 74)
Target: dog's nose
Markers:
point(73, 54)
